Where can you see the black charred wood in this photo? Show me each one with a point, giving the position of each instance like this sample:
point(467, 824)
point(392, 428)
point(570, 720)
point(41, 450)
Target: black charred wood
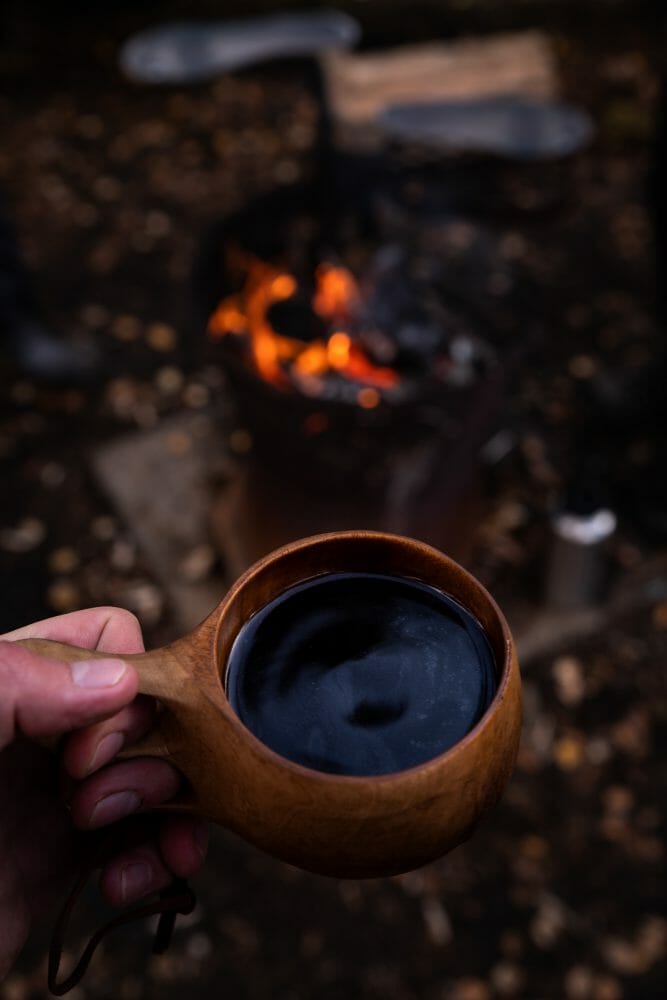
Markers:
point(295, 318)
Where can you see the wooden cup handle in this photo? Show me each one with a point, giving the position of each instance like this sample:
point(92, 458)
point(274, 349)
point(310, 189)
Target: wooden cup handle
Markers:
point(158, 677)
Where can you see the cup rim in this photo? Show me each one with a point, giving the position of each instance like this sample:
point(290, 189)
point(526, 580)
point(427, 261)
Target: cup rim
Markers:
point(426, 767)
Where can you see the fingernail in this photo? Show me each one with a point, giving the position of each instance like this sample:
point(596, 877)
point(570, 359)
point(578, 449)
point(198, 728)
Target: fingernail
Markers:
point(113, 807)
point(107, 748)
point(134, 880)
point(97, 673)
point(201, 838)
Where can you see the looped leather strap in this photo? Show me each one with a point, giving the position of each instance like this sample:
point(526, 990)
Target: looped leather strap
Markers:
point(177, 898)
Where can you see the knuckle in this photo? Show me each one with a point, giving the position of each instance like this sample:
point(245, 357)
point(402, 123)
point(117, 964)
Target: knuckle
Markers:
point(9, 663)
point(122, 620)
point(124, 617)
point(118, 616)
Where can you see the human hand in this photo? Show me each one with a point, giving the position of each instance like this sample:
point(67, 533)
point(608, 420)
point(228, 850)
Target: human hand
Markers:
point(95, 705)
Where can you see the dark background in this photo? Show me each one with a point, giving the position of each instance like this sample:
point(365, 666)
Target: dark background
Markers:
point(111, 188)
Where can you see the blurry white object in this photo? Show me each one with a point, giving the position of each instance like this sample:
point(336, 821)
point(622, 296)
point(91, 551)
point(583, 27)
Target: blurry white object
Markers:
point(585, 529)
point(517, 127)
point(188, 51)
point(578, 571)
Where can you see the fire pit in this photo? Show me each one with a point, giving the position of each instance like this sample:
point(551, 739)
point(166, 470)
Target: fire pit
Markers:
point(363, 366)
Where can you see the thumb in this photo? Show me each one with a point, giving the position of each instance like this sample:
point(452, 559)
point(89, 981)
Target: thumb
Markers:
point(43, 697)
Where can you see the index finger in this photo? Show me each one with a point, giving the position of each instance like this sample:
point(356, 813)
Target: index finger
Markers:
point(109, 629)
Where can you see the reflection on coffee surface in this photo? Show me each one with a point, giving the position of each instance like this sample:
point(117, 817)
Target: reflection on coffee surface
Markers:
point(359, 673)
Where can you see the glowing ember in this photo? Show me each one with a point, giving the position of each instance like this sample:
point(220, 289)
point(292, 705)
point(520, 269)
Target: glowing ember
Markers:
point(338, 350)
point(281, 359)
point(312, 360)
point(368, 398)
point(337, 294)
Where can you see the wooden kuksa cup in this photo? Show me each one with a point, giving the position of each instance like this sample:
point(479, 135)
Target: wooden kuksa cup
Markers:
point(340, 825)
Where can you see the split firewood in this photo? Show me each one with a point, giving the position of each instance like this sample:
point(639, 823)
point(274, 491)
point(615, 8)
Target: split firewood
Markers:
point(361, 86)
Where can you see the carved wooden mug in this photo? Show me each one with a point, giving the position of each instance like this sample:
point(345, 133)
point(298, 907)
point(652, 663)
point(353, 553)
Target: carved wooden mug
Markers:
point(340, 825)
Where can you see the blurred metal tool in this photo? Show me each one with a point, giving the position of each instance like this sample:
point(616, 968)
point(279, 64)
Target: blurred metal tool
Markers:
point(578, 569)
point(515, 127)
point(190, 51)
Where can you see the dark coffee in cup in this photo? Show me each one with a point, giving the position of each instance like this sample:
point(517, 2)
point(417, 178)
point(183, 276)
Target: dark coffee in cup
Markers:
point(361, 673)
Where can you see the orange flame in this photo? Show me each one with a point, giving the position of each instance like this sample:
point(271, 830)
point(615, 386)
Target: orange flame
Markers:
point(338, 350)
point(337, 294)
point(336, 299)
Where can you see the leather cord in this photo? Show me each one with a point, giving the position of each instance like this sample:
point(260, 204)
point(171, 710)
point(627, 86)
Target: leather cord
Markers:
point(176, 898)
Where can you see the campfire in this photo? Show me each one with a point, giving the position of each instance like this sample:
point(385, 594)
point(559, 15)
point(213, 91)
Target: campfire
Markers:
point(329, 356)
point(383, 336)
point(365, 365)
